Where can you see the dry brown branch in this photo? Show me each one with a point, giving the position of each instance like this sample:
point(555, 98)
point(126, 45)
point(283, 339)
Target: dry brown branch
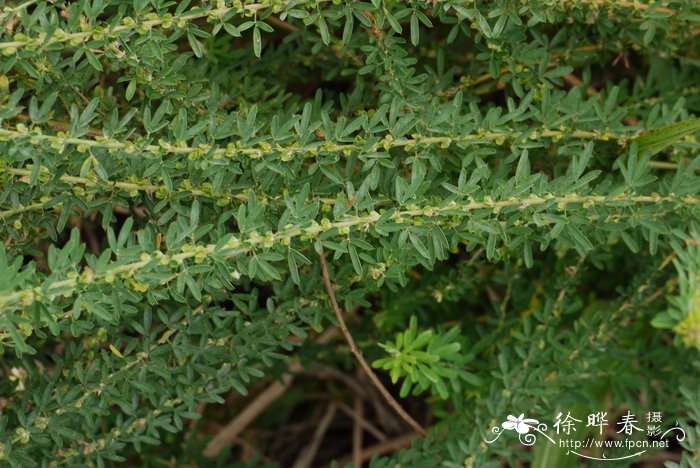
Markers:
point(351, 383)
point(327, 335)
point(199, 410)
point(139, 211)
point(229, 433)
point(364, 424)
point(306, 457)
point(275, 21)
point(386, 418)
point(575, 81)
point(358, 355)
point(61, 126)
point(249, 450)
point(358, 410)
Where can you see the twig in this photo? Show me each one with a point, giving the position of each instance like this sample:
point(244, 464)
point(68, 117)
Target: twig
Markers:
point(275, 21)
point(573, 271)
point(353, 348)
point(229, 433)
point(326, 373)
point(364, 424)
point(387, 418)
point(249, 450)
point(574, 81)
point(193, 422)
point(307, 456)
point(66, 127)
point(327, 335)
point(357, 433)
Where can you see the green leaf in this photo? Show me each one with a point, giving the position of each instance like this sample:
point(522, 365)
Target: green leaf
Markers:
point(630, 241)
point(420, 247)
point(422, 339)
point(232, 30)
point(92, 60)
point(581, 240)
point(357, 265)
point(130, 90)
point(323, 29)
point(348, 27)
point(660, 139)
point(194, 213)
point(395, 25)
point(194, 43)
point(293, 270)
point(269, 270)
point(663, 320)
point(194, 287)
point(21, 345)
point(257, 41)
point(415, 30)
point(527, 253)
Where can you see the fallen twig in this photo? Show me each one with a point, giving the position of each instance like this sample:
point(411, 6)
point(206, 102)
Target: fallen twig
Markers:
point(229, 433)
point(306, 457)
point(357, 432)
point(364, 424)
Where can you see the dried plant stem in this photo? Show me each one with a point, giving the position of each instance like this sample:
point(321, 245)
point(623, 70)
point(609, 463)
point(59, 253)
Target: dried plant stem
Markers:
point(307, 456)
point(357, 433)
point(362, 422)
point(358, 355)
point(229, 433)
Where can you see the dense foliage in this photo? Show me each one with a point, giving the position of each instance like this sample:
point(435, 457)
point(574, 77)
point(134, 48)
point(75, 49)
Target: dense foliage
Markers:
point(506, 192)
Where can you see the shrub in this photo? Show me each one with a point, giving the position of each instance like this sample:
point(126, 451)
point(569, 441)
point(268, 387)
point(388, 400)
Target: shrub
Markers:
point(502, 196)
